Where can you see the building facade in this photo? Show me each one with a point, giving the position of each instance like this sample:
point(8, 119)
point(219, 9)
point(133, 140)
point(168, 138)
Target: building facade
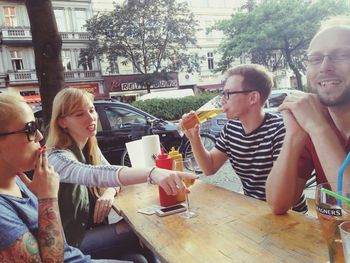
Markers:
point(17, 64)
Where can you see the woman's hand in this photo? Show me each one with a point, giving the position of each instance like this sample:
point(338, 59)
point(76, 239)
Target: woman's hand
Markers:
point(171, 181)
point(46, 181)
point(103, 205)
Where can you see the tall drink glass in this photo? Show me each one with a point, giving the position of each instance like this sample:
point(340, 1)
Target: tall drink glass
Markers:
point(330, 215)
point(186, 164)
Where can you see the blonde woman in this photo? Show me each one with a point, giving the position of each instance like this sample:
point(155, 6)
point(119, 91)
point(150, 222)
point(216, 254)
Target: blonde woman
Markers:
point(79, 162)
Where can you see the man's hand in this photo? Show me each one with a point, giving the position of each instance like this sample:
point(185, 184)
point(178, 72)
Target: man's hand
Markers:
point(306, 109)
point(46, 181)
point(193, 133)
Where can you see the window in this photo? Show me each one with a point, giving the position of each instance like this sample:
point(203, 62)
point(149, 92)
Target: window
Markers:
point(66, 60)
point(10, 16)
point(210, 60)
point(80, 15)
point(16, 60)
point(60, 20)
point(123, 118)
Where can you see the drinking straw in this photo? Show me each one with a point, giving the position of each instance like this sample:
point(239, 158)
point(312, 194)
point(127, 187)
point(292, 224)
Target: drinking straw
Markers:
point(335, 195)
point(340, 177)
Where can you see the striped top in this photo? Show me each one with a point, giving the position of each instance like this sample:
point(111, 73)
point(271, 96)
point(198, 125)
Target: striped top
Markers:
point(252, 155)
point(72, 171)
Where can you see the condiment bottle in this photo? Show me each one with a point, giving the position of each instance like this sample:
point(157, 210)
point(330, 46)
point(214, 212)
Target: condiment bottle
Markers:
point(164, 161)
point(176, 156)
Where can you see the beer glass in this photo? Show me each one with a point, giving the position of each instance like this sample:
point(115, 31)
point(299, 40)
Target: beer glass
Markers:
point(186, 164)
point(331, 214)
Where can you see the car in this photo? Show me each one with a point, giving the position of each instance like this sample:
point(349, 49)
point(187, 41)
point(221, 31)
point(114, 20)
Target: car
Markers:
point(119, 123)
point(214, 125)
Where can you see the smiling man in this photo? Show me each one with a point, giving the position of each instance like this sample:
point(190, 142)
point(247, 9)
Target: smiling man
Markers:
point(317, 125)
point(251, 139)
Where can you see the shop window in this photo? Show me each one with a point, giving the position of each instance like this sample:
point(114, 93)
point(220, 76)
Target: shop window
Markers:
point(10, 16)
point(16, 60)
point(210, 60)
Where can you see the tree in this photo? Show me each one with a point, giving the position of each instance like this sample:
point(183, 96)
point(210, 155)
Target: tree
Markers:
point(275, 32)
point(47, 45)
point(153, 35)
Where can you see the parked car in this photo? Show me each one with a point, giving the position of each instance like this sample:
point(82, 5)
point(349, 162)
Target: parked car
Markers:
point(214, 125)
point(119, 123)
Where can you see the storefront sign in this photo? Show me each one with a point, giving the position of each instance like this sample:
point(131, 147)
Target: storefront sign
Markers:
point(132, 82)
point(89, 87)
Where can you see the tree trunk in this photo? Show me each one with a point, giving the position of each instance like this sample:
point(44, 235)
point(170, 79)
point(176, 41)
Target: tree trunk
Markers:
point(47, 45)
point(293, 67)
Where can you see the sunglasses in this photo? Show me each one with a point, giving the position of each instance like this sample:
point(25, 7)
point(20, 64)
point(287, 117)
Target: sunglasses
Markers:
point(31, 129)
point(226, 93)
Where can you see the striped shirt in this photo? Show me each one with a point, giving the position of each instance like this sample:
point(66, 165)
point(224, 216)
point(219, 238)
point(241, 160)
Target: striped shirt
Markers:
point(72, 171)
point(252, 155)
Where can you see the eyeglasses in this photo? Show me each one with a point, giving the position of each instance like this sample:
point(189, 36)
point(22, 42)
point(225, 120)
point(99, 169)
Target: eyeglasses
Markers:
point(31, 129)
point(336, 57)
point(226, 93)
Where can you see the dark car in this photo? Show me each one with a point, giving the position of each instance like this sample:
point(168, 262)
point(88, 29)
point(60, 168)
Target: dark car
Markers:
point(119, 123)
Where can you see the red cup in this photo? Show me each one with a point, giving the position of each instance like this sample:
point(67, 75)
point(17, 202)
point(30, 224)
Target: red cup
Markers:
point(165, 162)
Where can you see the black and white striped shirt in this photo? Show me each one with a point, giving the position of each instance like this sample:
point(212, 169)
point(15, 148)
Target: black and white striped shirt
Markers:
point(252, 155)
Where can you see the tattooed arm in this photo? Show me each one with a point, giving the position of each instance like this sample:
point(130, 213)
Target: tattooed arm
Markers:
point(50, 234)
point(48, 244)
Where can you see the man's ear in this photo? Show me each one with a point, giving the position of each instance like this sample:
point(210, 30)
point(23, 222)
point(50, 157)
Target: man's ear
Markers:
point(254, 97)
point(62, 123)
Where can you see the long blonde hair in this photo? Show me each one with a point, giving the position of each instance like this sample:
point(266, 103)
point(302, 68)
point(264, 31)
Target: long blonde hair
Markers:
point(67, 102)
point(9, 102)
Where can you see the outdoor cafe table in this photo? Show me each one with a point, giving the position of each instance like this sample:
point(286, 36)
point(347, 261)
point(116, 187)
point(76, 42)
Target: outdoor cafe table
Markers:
point(230, 227)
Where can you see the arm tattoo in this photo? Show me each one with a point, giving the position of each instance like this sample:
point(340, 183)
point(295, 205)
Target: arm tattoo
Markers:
point(47, 246)
point(50, 234)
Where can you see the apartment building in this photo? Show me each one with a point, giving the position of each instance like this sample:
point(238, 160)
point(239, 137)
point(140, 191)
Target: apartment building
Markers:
point(17, 65)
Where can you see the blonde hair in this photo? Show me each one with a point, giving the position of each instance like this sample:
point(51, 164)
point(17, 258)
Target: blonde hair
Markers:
point(335, 21)
point(255, 77)
point(67, 102)
point(9, 104)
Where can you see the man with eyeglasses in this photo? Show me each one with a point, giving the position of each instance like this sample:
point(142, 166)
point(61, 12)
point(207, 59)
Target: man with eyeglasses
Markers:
point(318, 124)
point(251, 140)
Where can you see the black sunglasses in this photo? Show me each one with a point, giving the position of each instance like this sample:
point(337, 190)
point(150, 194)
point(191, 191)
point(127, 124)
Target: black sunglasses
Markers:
point(227, 93)
point(30, 129)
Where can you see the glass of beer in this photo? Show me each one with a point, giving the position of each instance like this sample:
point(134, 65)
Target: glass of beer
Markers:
point(331, 213)
point(198, 117)
point(186, 164)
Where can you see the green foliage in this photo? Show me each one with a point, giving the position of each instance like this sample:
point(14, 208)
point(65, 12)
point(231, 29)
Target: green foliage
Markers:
point(173, 109)
point(152, 35)
point(275, 32)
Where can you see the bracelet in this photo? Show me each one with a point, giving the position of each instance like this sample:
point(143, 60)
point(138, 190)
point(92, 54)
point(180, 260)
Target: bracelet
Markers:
point(149, 179)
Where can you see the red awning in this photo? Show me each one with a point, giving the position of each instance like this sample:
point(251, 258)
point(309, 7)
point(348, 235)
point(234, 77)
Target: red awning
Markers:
point(32, 99)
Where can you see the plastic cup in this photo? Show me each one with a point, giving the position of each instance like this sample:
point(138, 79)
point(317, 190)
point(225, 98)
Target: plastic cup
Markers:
point(330, 216)
point(345, 236)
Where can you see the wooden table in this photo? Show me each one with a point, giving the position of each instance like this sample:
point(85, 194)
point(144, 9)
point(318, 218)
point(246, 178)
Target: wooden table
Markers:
point(230, 227)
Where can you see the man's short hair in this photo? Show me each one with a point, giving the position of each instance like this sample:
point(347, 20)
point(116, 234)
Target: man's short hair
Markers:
point(335, 21)
point(255, 77)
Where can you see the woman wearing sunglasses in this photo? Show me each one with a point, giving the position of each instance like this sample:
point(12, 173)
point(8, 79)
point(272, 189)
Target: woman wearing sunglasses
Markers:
point(80, 163)
point(30, 225)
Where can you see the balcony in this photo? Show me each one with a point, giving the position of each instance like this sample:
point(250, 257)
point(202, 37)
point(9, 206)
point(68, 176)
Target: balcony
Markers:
point(29, 76)
point(15, 35)
point(82, 75)
point(75, 36)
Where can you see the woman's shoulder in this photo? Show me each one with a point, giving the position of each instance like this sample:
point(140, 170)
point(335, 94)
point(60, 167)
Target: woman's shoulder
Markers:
point(55, 152)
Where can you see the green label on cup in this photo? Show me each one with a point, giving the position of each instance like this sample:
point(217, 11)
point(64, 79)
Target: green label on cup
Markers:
point(329, 211)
